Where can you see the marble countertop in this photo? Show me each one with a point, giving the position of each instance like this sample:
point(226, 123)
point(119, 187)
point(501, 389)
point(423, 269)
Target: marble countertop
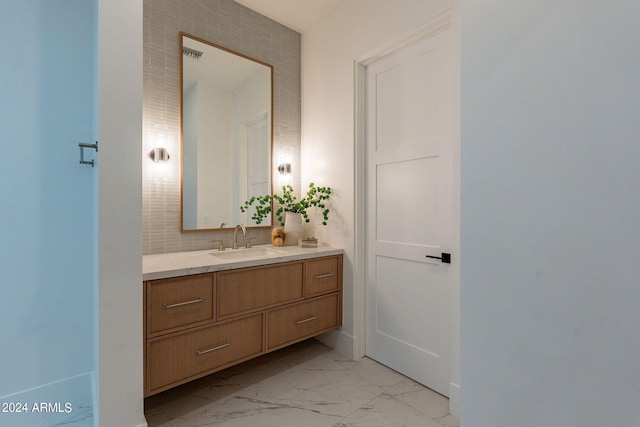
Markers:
point(162, 266)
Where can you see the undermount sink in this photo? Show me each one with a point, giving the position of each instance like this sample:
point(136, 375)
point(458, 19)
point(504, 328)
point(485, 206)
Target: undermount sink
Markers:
point(255, 252)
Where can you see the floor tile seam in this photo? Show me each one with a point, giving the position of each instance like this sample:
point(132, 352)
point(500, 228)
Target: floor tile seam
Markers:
point(301, 366)
point(418, 409)
point(221, 400)
point(287, 405)
point(382, 386)
point(368, 402)
point(438, 420)
point(191, 396)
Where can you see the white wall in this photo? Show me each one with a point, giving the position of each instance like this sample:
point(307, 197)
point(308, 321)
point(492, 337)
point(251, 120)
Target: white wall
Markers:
point(353, 30)
point(550, 213)
point(47, 283)
point(120, 213)
point(190, 157)
point(215, 120)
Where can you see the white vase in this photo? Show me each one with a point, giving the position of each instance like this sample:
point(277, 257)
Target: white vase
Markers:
point(292, 228)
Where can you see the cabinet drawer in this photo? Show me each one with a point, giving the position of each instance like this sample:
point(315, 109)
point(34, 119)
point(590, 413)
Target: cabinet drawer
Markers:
point(182, 357)
point(323, 275)
point(303, 320)
point(256, 288)
point(172, 303)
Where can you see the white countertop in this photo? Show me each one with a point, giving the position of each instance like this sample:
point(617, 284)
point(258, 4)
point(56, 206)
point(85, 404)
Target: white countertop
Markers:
point(162, 266)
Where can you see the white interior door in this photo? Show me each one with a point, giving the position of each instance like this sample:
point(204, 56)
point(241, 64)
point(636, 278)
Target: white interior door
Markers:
point(409, 211)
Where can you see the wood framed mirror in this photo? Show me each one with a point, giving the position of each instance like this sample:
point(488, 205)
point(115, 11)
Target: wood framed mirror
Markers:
point(226, 121)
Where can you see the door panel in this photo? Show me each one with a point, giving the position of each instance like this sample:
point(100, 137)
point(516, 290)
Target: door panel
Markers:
point(409, 210)
point(258, 151)
point(401, 218)
point(401, 296)
point(410, 98)
point(258, 176)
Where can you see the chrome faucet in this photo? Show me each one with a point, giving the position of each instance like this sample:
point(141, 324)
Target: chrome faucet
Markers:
point(235, 235)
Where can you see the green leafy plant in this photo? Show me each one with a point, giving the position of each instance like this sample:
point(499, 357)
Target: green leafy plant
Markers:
point(315, 197)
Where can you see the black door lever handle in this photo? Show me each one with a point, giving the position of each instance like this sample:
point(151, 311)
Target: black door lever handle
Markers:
point(445, 258)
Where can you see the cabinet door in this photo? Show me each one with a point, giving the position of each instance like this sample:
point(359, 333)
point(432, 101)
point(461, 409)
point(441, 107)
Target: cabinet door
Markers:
point(257, 288)
point(296, 322)
point(181, 357)
point(173, 303)
point(323, 275)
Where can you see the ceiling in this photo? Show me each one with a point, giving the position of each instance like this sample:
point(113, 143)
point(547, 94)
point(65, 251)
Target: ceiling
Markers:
point(299, 15)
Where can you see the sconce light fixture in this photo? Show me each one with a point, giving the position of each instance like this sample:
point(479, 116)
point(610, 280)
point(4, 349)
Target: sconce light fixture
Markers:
point(284, 168)
point(159, 155)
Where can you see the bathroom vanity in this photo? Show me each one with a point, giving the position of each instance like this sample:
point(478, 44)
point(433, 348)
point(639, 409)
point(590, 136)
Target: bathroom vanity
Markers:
point(206, 310)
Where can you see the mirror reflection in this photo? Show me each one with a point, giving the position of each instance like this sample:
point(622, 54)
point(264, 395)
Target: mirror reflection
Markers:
point(226, 134)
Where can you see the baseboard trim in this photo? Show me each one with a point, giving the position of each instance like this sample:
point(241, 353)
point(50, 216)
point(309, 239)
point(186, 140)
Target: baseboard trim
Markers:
point(454, 399)
point(66, 402)
point(339, 341)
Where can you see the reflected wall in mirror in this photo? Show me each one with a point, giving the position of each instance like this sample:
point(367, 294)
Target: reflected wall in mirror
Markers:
point(227, 133)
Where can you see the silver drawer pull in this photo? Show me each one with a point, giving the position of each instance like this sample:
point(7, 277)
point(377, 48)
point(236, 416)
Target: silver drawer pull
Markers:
point(314, 317)
point(201, 352)
point(322, 276)
point(180, 304)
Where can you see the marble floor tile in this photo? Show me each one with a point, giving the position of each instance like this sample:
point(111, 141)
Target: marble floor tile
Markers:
point(323, 391)
point(372, 371)
point(239, 411)
point(419, 397)
point(449, 421)
point(386, 411)
point(305, 384)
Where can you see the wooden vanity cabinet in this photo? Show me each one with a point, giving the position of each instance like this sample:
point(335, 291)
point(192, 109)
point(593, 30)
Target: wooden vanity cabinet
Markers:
point(175, 303)
point(256, 288)
point(323, 275)
point(197, 325)
point(295, 322)
point(185, 356)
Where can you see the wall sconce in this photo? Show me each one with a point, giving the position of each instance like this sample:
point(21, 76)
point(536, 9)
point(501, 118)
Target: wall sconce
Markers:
point(284, 168)
point(159, 155)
